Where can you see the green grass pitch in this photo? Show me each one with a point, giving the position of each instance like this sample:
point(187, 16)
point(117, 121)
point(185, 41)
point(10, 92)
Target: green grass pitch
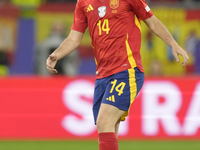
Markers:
point(93, 145)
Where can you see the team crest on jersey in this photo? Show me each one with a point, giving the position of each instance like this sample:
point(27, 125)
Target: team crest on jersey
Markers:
point(114, 4)
point(102, 11)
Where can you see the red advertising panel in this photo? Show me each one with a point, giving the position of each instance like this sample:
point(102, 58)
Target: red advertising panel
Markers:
point(61, 108)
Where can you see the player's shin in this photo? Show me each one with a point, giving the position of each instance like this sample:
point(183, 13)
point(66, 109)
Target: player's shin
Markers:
point(108, 141)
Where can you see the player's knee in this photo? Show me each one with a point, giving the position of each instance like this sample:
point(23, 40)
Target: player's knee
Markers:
point(101, 125)
point(104, 126)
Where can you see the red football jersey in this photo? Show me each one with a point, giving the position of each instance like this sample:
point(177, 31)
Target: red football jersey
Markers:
point(114, 27)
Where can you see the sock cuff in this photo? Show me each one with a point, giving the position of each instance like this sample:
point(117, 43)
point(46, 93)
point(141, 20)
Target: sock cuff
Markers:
point(108, 136)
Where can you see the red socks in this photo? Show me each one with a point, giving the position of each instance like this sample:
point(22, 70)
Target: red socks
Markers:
point(108, 141)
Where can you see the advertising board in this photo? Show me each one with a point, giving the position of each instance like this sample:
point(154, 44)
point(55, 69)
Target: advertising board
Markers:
point(61, 108)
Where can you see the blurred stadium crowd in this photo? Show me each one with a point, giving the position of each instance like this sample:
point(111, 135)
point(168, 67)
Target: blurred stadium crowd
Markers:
point(31, 30)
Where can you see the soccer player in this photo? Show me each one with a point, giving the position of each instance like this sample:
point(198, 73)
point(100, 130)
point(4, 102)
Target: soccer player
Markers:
point(115, 30)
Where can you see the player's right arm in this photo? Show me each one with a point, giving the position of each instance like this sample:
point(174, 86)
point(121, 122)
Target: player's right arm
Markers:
point(66, 47)
point(72, 41)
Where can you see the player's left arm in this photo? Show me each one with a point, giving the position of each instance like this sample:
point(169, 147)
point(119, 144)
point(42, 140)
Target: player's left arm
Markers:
point(158, 28)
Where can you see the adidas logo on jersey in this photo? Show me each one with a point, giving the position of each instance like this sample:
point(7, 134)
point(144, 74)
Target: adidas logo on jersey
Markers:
point(111, 98)
point(89, 8)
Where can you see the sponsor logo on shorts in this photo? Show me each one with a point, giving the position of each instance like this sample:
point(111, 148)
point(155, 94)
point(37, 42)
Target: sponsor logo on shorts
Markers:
point(111, 98)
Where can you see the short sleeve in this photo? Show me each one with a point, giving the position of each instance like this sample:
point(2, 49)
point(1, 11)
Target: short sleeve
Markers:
point(80, 21)
point(141, 9)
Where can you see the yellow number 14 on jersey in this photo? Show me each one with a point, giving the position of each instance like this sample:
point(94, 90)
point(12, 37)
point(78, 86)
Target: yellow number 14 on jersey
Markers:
point(103, 27)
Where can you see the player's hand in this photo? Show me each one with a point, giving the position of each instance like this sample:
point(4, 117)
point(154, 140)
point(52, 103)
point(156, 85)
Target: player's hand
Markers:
point(51, 62)
point(177, 50)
